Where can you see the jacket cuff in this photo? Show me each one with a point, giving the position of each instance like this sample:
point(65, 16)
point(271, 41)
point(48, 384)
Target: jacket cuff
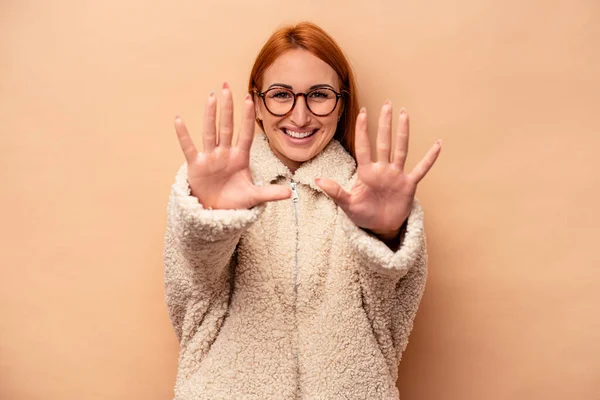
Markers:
point(198, 223)
point(378, 256)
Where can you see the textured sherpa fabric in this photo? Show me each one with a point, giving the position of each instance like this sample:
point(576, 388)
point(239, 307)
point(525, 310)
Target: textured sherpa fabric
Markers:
point(289, 301)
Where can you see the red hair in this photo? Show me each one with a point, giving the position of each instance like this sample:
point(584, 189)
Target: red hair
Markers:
point(312, 38)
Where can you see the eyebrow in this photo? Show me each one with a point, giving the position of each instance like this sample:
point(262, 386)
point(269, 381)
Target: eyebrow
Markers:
point(320, 85)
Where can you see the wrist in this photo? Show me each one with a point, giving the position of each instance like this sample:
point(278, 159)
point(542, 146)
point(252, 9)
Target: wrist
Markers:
point(389, 236)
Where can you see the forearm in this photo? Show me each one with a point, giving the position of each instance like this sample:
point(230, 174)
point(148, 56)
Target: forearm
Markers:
point(392, 257)
point(393, 240)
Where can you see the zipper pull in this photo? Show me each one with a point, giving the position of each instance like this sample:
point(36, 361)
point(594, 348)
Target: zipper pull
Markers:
point(295, 197)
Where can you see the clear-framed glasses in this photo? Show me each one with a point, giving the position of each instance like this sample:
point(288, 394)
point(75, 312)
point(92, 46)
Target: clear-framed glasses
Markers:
point(280, 101)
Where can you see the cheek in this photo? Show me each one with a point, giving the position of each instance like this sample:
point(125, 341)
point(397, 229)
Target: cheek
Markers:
point(274, 122)
point(271, 123)
point(330, 124)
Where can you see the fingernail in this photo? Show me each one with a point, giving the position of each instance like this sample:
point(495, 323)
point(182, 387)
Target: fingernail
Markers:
point(388, 103)
point(248, 97)
point(403, 110)
point(439, 142)
point(177, 118)
point(363, 110)
point(317, 180)
point(225, 85)
point(211, 94)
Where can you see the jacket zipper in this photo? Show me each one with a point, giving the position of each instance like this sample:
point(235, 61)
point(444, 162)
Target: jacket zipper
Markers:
point(295, 200)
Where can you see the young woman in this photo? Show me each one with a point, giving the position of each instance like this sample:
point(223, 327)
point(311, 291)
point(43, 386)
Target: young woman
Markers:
point(294, 260)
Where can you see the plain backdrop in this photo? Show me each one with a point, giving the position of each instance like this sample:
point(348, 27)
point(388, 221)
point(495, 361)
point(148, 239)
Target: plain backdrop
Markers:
point(88, 94)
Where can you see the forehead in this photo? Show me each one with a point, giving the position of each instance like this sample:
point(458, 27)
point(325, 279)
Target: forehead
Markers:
point(300, 69)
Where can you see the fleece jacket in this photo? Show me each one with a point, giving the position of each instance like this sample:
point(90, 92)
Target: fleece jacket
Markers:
point(289, 299)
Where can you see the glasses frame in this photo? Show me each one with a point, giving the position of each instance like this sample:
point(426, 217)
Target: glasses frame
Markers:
point(305, 95)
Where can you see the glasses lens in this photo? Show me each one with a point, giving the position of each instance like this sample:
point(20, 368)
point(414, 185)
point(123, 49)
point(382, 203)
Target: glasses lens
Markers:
point(279, 101)
point(321, 101)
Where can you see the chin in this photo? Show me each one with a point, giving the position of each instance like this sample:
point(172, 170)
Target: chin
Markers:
point(299, 156)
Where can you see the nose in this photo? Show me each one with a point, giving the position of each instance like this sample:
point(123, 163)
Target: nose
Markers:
point(300, 114)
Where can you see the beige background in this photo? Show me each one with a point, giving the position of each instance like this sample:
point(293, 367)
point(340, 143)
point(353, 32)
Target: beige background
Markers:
point(88, 92)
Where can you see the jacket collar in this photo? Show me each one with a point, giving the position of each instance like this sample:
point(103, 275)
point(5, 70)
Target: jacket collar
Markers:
point(333, 162)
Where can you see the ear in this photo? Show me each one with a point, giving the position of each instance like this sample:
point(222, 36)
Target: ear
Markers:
point(257, 108)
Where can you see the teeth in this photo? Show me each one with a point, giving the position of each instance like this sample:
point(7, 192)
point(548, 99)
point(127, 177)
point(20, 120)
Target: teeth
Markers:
point(298, 135)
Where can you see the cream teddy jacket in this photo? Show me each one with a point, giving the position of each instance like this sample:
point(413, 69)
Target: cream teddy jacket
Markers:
point(288, 300)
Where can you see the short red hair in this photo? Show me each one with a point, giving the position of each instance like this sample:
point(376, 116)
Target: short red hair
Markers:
point(310, 37)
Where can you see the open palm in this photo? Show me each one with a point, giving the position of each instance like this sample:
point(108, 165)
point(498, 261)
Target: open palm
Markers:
point(219, 176)
point(382, 196)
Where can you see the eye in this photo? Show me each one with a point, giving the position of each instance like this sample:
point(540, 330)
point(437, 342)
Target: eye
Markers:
point(280, 94)
point(321, 94)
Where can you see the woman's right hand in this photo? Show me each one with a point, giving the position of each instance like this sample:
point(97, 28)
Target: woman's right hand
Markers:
point(219, 176)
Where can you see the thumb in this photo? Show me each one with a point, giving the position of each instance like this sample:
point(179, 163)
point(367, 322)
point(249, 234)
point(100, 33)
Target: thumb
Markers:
point(334, 190)
point(267, 193)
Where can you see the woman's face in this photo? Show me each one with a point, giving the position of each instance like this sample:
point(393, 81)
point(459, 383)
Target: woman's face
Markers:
point(299, 135)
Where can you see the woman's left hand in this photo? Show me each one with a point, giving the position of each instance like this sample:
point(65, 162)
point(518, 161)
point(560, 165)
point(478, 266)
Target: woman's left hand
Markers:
point(383, 194)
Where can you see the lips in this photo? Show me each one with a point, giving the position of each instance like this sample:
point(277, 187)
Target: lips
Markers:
point(298, 134)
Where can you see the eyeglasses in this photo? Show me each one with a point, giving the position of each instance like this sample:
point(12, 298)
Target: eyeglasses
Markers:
point(280, 101)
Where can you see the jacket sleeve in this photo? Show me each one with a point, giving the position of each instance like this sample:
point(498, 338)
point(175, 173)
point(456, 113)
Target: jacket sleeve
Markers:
point(392, 282)
point(198, 255)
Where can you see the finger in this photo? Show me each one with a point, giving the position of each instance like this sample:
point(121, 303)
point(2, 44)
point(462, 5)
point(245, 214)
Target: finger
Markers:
point(226, 118)
point(401, 146)
point(426, 163)
point(267, 193)
point(210, 118)
point(384, 133)
point(362, 145)
point(185, 141)
point(335, 191)
point(246, 134)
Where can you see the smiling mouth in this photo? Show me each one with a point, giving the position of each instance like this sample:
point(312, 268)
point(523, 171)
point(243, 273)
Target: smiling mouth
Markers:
point(299, 135)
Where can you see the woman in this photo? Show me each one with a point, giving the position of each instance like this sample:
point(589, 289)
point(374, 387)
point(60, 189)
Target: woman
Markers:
point(291, 272)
